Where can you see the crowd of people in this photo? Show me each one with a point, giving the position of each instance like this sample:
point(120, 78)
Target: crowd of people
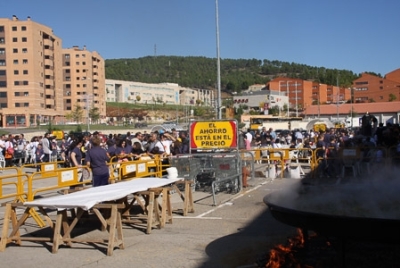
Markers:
point(97, 149)
point(94, 150)
point(327, 145)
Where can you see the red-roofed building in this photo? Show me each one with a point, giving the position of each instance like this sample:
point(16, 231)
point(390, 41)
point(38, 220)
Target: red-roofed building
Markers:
point(383, 111)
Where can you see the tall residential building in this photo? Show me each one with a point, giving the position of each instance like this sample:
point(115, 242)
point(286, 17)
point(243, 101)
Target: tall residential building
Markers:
point(83, 80)
point(372, 88)
point(30, 73)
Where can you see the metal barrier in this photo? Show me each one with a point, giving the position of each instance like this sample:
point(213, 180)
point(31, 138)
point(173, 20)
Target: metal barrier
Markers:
point(218, 171)
point(17, 194)
point(63, 177)
point(144, 167)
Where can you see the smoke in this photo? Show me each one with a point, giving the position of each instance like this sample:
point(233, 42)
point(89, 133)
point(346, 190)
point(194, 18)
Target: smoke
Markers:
point(375, 195)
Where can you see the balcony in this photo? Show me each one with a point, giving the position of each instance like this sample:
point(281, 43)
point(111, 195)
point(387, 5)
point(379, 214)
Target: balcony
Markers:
point(49, 93)
point(47, 42)
point(49, 102)
point(48, 82)
point(48, 72)
point(48, 62)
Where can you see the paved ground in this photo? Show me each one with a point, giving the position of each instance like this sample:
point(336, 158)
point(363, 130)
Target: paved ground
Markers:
point(235, 233)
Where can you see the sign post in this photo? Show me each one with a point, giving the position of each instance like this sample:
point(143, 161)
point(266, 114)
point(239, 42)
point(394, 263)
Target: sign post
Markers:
point(214, 135)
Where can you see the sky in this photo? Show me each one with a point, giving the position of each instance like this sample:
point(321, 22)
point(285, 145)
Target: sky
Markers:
point(355, 35)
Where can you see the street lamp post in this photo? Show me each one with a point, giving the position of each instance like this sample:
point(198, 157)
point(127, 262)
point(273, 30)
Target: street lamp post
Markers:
point(287, 93)
point(88, 98)
point(218, 62)
point(297, 108)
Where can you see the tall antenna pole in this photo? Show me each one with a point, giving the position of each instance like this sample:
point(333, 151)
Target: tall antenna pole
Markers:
point(218, 64)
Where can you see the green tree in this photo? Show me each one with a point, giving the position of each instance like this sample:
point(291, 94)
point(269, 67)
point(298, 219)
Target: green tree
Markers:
point(94, 114)
point(392, 97)
point(76, 114)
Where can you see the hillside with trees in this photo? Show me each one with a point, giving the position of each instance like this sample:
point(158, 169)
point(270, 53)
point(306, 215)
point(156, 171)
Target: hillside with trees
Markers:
point(236, 74)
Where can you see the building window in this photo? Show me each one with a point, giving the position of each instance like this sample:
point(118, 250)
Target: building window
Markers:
point(2, 72)
point(2, 51)
point(77, 63)
point(15, 50)
point(2, 40)
point(23, 28)
point(67, 56)
point(25, 61)
point(15, 39)
point(16, 72)
point(16, 83)
point(14, 28)
point(26, 104)
point(381, 88)
point(25, 83)
point(24, 39)
point(67, 71)
point(26, 94)
point(84, 63)
point(24, 50)
point(76, 55)
point(1, 29)
point(2, 62)
point(25, 72)
point(15, 61)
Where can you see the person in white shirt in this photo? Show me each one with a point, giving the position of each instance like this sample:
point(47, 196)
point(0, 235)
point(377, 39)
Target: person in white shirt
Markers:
point(2, 144)
point(166, 141)
point(249, 137)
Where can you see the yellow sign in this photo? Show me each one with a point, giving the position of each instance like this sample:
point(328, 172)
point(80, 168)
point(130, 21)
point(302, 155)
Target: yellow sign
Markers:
point(58, 134)
point(215, 134)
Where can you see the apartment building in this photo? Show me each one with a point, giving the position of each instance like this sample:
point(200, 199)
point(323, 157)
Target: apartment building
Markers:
point(30, 77)
point(303, 93)
point(83, 80)
point(168, 93)
point(261, 100)
point(372, 88)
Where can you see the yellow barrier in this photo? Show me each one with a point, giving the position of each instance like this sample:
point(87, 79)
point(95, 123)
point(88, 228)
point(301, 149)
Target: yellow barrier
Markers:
point(64, 177)
point(18, 194)
point(144, 167)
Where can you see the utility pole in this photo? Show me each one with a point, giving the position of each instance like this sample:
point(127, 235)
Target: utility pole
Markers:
point(287, 93)
point(297, 108)
point(337, 99)
point(218, 63)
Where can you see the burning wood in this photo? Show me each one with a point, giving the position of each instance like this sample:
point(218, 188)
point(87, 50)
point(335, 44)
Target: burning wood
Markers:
point(282, 255)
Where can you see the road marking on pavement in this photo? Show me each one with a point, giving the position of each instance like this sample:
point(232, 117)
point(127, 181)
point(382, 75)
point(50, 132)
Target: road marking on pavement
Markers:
point(228, 202)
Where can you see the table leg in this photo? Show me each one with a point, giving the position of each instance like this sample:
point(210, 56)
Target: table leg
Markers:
point(111, 234)
point(4, 232)
point(150, 212)
point(57, 238)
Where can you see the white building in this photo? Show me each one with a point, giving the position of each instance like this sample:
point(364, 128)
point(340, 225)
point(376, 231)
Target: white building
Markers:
point(168, 93)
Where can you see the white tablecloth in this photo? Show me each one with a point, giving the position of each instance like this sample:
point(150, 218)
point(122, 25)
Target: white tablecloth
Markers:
point(87, 198)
